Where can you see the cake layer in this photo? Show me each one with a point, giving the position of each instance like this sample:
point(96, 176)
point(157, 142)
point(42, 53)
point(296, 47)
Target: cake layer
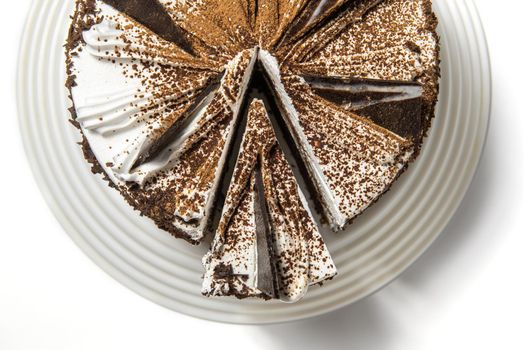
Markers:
point(393, 105)
point(267, 244)
point(324, 32)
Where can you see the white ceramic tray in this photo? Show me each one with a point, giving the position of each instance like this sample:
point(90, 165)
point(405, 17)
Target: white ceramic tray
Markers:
point(371, 253)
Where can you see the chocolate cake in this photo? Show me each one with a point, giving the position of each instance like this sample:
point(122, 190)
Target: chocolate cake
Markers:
point(163, 95)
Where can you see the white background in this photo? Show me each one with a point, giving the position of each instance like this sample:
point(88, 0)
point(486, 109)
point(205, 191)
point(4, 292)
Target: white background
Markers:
point(467, 292)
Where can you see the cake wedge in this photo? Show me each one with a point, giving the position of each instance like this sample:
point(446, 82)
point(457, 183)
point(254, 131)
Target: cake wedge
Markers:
point(351, 160)
point(267, 244)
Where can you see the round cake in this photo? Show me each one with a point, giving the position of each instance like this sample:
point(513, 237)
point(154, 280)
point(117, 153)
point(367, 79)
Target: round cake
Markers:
point(242, 119)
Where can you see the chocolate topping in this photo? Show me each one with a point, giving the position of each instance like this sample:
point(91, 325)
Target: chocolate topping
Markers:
point(323, 30)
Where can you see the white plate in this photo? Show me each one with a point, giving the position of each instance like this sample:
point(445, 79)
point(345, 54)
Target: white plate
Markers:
point(375, 250)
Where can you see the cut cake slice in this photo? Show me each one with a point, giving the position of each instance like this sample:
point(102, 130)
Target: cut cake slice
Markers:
point(267, 244)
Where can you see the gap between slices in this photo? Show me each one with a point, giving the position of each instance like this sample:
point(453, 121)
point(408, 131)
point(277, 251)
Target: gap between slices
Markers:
point(176, 131)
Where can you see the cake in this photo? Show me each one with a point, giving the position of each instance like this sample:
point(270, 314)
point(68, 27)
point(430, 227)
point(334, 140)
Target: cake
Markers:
point(165, 93)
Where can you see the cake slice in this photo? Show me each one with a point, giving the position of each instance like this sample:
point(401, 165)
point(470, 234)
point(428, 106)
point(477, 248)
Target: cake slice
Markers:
point(314, 14)
point(187, 172)
point(350, 160)
point(267, 244)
